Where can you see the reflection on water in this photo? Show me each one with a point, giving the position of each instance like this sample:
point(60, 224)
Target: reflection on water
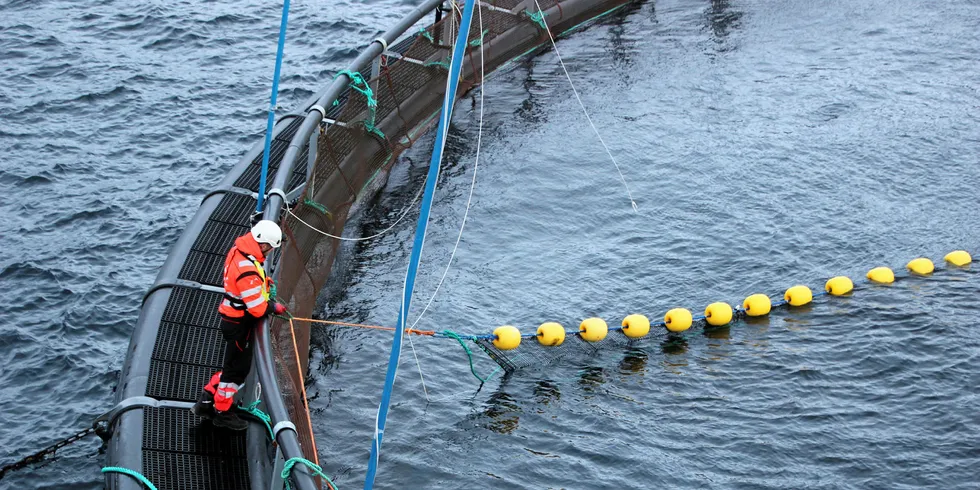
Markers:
point(635, 361)
point(546, 391)
point(718, 332)
point(674, 346)
point(529, 110)
point(503, 412)
point(721, 19)
point(591, 377)
point(800, 321)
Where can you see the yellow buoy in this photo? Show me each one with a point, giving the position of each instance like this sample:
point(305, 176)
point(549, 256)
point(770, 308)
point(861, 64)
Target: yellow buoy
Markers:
point(678, 320)
point(757, 305)
point(958, 258)
point(718, 314)
point(551, 333)
point(593, 329)
point(839, 285)
point(881, 275)
point(921, 266)
point(636, 326)
point(798, 295)
point(506, 337)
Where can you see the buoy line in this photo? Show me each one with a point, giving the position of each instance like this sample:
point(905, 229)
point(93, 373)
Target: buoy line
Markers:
point(635, 326)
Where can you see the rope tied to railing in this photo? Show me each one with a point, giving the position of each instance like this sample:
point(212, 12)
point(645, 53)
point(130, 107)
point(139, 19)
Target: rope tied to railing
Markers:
point(358, 83)
point(287, 469)
point(253, 410)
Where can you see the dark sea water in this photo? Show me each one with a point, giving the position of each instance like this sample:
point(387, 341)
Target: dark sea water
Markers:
point(767, 144)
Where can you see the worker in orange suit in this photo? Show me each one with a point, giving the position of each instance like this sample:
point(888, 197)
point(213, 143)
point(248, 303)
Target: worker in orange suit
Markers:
point(246, 300)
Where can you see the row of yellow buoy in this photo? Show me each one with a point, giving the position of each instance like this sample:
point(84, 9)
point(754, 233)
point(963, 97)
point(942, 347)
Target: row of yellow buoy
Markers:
point(635, 326)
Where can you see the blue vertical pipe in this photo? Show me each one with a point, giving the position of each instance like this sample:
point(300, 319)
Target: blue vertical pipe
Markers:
point(413, 263)
point(272, 108)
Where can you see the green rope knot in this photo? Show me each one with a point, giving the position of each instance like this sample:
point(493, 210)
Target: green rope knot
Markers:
point(317, 206)
point(478, 41)
point(469, 353)
point(253, 410)
point(126, 471)
point(372, 129)
point(426, 34)
point(358, 83)
point(537, 18)
point(288, 468)
point(440, 63)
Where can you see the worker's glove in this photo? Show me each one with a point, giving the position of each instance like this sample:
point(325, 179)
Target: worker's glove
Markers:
point(279, 308)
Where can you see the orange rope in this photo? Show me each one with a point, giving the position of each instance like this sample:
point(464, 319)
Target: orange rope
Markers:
point(302, 387)
point(376, 327)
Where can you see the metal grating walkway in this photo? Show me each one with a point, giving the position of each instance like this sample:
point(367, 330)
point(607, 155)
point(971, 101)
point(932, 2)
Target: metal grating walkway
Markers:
point(180, 451)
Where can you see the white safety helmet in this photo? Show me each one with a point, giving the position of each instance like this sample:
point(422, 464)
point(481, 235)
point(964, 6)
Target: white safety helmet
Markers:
point(266, 231)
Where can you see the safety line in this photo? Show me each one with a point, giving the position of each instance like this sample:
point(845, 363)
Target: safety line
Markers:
point(582, 105)
point(302, 387)
point(361, 239)
point(375, 327)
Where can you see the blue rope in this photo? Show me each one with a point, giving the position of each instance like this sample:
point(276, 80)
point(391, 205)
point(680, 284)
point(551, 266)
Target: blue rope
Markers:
point(430, 185)
point(272, 108)
point(288, 468)
point(126, 471)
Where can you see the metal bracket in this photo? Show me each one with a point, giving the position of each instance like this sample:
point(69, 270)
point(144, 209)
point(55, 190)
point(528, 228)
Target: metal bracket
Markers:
point(278, 192)
point(397, 56)
point(230, 189)
point(181, 283)
point(319, 108)
point(281, 426)
point(494, 7)
point(107, 419)
point(382, 42)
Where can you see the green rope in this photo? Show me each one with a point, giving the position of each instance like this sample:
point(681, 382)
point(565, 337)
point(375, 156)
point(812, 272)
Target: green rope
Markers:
point(358, 83)
point(537, 18)
point(288, 468)
point(426, 34)
point(319, 207)
point(478, 41)
point(444, 64)
point(253, 410)
point(469, 353)
point(377, 132)
point(126, 471)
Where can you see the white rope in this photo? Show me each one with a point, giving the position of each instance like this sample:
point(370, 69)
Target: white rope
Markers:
point(586, 112)
point(419, 365)
point(476, 164)
point(386, 230)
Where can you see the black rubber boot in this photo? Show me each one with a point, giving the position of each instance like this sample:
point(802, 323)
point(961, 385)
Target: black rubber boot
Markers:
point(204, 407)
point(229, 420)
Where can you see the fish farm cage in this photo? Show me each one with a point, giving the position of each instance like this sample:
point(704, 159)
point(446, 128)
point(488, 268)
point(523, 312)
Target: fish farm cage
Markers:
point(327, 157)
